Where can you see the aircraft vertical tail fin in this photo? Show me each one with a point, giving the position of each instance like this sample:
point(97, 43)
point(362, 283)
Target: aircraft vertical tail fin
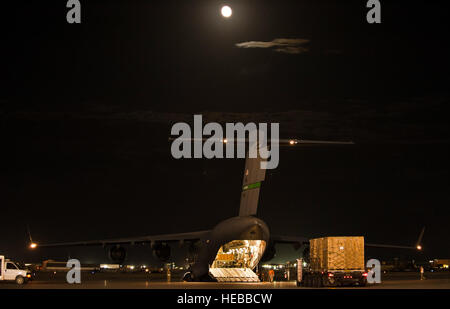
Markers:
point(251, 185)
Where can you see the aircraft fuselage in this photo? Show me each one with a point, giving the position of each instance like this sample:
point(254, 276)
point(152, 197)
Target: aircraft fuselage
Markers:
point(245, 228)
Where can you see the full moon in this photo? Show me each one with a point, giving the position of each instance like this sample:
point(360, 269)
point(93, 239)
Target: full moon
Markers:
point(226, 11)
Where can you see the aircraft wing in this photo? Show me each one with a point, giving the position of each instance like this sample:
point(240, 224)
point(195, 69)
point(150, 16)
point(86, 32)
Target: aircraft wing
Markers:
point(298, 142)
point(296, 241)
point(281, 142)
point(418, 245)
point(181, 237)
point(391, 246)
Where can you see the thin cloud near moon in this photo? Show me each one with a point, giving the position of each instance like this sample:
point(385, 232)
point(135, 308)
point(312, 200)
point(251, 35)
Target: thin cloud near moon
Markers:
point(281, 45)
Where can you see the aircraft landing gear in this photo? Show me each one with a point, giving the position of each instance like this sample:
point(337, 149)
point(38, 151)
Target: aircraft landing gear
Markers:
point(187, 277)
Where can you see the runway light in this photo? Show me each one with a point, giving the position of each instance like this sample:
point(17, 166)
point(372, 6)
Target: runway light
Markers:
point(419, 247)
point(33, 245)
point(292, 142)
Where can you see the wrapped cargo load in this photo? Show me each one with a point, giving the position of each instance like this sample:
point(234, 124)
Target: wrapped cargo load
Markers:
point(340, 253)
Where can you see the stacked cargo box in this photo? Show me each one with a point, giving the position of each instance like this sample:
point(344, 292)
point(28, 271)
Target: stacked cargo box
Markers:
point(342, 253)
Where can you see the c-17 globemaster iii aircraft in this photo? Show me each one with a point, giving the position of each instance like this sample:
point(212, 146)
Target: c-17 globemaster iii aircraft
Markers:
point(233, 248)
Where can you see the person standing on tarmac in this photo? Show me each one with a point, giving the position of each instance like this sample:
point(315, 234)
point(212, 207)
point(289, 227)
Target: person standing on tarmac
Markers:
point(421, 273)
point(271, 275)
point(263, 276)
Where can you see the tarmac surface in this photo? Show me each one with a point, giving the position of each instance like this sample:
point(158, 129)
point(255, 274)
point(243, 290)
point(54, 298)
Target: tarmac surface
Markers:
point(408, 280)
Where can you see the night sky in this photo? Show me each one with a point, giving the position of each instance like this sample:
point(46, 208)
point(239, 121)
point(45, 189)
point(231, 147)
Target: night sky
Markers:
point(86, 111)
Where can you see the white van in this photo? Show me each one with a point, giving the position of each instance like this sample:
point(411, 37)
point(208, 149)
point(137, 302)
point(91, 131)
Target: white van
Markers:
point(10, 272)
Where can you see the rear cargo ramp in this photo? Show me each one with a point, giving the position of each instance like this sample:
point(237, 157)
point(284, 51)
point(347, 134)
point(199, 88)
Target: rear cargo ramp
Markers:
point(233, 275)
